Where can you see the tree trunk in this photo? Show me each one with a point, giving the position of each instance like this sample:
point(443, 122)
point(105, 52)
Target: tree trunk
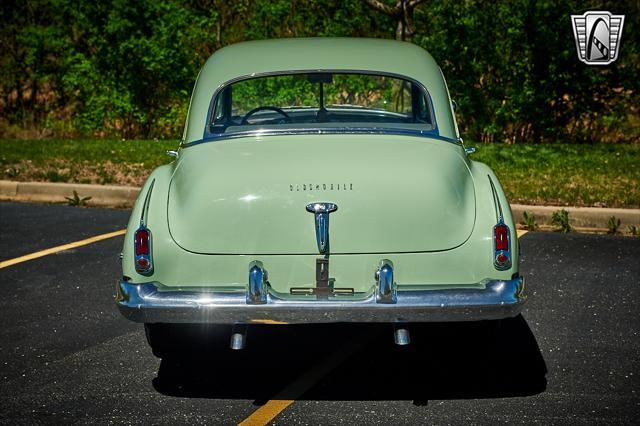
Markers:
point(402, 12)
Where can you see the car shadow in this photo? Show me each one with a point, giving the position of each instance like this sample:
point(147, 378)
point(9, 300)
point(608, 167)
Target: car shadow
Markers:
point(444, 361)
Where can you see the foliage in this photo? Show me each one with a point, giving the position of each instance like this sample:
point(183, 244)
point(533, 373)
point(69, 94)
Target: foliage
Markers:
point(125, 69)
point(633, 230)
point(529, 221)
point(560, 219)
point(587, 175)
point(112, 67)
point(365, 90)
point(613, 225)
point(76, 200)
point(513, 69)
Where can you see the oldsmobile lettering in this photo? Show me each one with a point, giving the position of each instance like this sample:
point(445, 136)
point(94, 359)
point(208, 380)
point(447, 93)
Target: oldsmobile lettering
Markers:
point(320, 187)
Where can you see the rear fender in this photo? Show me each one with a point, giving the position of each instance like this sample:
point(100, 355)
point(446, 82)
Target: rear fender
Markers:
point(155, 220)
point(487, 212)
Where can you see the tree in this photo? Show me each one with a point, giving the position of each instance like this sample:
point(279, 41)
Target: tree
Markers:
point(402, 12)
point(126, 68)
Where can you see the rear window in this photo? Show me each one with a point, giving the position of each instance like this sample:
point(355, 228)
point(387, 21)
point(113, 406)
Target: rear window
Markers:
point(340, 102)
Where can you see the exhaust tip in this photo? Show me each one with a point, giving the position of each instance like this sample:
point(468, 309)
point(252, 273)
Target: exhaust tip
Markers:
point(238, 337)
point(401, 337)
point(237, 341)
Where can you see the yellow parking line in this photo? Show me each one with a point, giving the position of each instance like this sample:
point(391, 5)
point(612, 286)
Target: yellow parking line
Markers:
point(267, 321)
point(266, 413)
point(521, 232)
point(63, 247)
point(269, 411)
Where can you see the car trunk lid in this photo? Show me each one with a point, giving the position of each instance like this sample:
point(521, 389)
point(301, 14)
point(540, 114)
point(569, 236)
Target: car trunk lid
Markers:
point(248, 196)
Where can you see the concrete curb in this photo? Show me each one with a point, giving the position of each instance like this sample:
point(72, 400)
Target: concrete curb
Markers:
point(45, 192)
point(591, 218)
point(588, 218)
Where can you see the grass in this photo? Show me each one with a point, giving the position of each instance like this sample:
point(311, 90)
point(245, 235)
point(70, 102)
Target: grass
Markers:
point(582, 175)
point(107, 162)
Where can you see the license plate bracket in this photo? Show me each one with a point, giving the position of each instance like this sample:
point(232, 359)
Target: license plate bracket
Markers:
point(324, 284)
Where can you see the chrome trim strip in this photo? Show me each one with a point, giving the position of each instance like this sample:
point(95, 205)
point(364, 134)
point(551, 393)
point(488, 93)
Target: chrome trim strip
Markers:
point(257, 287)
point(152, 302)
point(220, 88)
point(319, 131)
point(145, 205)
point(496, 201)
point(387, 289)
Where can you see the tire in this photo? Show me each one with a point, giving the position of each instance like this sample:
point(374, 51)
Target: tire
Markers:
point(159, 338)
point(186, 340)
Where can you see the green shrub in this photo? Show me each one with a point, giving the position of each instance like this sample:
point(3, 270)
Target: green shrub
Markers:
point(76, 200)
point(613, 224)
point(560, 219)
point(529, 221)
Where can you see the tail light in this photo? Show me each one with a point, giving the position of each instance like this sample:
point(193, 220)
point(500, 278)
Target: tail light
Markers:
point(501, 246)
point(142, 251)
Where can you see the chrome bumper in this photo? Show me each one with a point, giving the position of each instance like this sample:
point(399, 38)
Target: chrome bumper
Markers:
point(146, 303)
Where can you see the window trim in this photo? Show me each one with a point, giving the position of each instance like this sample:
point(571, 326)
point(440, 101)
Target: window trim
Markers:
point(209, 136)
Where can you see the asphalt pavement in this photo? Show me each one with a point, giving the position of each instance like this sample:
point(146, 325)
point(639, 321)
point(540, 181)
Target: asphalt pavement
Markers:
point(67, 356)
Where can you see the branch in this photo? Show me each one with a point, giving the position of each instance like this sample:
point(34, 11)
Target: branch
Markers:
point(413, 3)
point(378, 5)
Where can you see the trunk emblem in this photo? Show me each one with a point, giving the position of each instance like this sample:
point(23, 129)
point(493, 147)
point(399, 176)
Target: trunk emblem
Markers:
point(321, 212)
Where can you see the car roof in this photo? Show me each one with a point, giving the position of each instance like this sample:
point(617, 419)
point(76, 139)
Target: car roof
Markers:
point(317, 54)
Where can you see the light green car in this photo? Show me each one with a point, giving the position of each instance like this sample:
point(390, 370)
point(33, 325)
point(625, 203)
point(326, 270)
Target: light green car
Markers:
point(319, 180)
